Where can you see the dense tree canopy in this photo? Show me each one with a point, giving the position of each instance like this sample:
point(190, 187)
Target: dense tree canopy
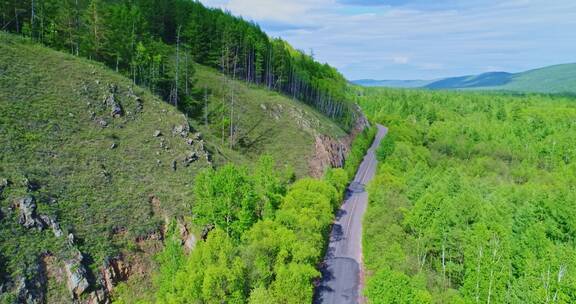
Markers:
point(269, 258)
point(475, 200)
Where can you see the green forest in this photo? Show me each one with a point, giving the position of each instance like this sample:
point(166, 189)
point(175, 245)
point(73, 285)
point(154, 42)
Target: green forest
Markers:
point(474, 200)
point(268, 235)
point(155, 43)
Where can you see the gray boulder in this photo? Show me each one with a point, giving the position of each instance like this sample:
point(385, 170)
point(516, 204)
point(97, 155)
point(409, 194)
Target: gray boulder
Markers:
point(190, 158)
point(28, 217)
point(103, 123)
point(182, 130)
point(116, 108)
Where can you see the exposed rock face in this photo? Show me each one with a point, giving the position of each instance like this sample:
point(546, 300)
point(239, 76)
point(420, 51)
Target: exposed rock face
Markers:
point(76, 275)
point(137, 99)
point(25, 294)
point(188, 239)
point(98, 297)
point(330, 152)
point(114, 270)
point(205, 231)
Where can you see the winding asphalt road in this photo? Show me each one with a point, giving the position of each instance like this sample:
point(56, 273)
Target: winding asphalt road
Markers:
point(341, 270)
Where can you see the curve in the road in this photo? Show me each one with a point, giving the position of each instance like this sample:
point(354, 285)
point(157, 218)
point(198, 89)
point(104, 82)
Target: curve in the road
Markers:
point(341, 269)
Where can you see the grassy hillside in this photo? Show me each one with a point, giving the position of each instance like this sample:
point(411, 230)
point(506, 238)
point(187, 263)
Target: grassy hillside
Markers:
point(113, 181)
point(54, 147)
point(553, 79)
point(267, 122)
point(474, 199)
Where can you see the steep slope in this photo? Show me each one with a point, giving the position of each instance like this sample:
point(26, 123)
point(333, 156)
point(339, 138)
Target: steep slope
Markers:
point(265, 121)
point(92, 167)
point(83, 151)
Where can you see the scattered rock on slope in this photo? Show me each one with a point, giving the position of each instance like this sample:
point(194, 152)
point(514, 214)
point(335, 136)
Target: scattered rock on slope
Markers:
point(181, 130)
point(28, 217)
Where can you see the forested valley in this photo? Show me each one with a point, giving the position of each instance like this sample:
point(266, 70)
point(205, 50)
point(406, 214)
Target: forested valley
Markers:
point(474, 201)
point(135, 167)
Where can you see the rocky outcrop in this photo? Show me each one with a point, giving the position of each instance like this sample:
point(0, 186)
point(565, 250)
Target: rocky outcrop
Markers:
point(137, 100)
point(182, 130)
point(28, 217)
point(188, 238)
point(110, 101)
point(53, 224)
point(98, 296)
point(114, 270)
point(191, 157)
point(76, 275)
point(331, 152)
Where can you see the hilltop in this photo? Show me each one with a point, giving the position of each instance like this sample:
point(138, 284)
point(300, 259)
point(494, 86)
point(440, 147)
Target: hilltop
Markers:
point(92, 167)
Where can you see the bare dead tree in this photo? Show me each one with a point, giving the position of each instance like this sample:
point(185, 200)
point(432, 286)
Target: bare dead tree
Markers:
point(177, 66)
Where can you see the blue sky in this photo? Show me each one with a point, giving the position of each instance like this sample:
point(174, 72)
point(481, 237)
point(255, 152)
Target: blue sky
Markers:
point(420, 39)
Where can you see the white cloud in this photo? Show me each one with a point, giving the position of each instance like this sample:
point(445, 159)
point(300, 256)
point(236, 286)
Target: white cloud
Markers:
point(272, 10)
point(416, 42)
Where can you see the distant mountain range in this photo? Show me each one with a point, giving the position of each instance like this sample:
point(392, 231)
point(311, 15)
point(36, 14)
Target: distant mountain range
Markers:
point(393, 83)
point(552, 79)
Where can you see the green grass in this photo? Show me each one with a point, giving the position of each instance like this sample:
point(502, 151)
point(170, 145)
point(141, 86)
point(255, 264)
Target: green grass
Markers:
point(556, 79)
point(48, 136)
point(269, 123)
point(553, 79)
